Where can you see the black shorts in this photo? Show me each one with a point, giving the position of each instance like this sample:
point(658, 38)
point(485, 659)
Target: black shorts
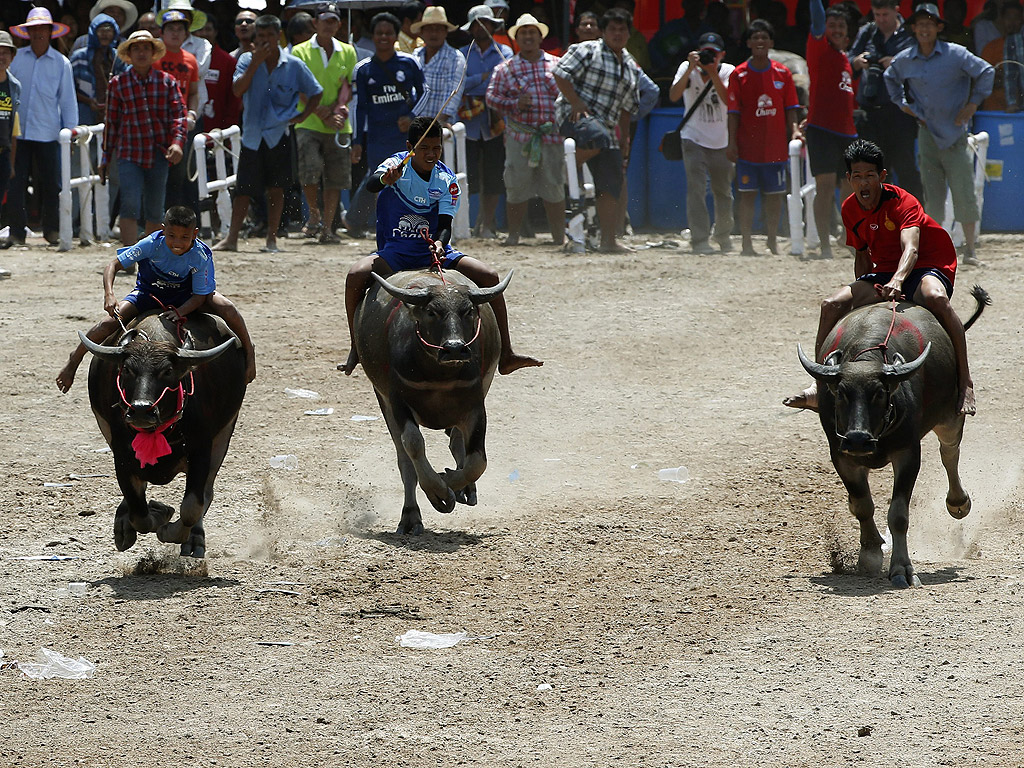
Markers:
point(606, 168)
point(266, 167)
point(485, 165)
point(913, 281)
point(825, 150)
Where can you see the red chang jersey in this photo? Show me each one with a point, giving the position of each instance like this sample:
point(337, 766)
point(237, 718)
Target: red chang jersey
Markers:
point(761, 98)
point(878, 231)
point(831, 96)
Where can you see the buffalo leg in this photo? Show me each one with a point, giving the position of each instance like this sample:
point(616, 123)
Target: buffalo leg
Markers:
point(412, 519)
point(457, 445)
point(905, 467)
point(958, 501)
point(474, 458)
point(441, 497)
point(134, 515)
point(855, 478)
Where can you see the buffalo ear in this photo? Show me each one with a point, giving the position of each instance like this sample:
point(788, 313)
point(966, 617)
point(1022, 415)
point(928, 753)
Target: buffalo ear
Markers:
point(186, 360)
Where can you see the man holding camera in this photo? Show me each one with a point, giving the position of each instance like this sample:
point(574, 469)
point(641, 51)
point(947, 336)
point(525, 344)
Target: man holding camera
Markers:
point(703, 83)
point(883, 122)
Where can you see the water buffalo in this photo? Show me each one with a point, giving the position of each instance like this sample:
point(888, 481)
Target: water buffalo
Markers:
point(166, 407)
point(430, 348)
point(884, 391)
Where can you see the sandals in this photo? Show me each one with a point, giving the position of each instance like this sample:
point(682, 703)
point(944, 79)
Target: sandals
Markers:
point(312, 231)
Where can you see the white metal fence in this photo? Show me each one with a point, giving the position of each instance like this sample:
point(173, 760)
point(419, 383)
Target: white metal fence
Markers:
point(93, 203)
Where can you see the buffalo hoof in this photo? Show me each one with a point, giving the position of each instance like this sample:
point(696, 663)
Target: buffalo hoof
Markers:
point(161, 511)
point(173, 533)
point(445, 505)
point(870, 562)
point(899, 581)
point(959, 510)
point(467, 495)
point(124, 535)
point(195, 546)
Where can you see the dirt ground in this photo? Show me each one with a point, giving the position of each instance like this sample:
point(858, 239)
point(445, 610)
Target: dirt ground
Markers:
point(613, 618)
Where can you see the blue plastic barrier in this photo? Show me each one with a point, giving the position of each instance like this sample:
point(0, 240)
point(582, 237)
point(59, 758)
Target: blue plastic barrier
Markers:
point(1005, 168)
point(666, 181)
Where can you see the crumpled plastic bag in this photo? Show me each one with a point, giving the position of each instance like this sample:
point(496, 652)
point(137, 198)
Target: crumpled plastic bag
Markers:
point(51, 664)
point(416, 639)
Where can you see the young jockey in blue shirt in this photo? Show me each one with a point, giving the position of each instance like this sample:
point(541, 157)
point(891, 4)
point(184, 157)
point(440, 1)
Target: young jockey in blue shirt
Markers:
point(417, 198)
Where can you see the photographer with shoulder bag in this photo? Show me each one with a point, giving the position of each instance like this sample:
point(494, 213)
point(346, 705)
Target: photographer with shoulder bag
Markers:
point(702, 83)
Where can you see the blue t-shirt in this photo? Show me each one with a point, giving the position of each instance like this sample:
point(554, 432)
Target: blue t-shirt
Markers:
point(385, 91)
point(409, 207)
point(162, 269)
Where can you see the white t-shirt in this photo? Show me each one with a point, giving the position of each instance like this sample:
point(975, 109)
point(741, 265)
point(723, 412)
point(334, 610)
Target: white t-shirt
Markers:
point(709, 126)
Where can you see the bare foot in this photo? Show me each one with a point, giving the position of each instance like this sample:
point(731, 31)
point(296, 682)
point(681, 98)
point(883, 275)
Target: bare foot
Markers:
point(968, 404)
point(350, 365)
point(225, 245)
point(512, 362)
point(807, 399)
point(66, 377)
point(511, 240)
point(616, 248)
point(773, 246)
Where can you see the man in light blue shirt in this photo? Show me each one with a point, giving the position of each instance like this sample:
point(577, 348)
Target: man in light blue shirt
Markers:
point(269, 81)
point(942, 84)
point(48, 103)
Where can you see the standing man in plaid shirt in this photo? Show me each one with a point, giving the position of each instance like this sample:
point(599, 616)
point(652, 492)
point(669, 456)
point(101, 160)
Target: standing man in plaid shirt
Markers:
point(144, 133)
point(598, 83)
point(442, 66)
point(524, 91)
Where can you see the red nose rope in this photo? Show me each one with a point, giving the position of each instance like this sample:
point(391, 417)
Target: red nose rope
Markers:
point(151, 445)
point(884, 346)
point(437, 265)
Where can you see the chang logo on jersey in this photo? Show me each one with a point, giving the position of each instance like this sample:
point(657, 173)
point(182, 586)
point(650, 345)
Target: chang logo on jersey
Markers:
point(765, 106)
point(846, 83)
point(411, 225)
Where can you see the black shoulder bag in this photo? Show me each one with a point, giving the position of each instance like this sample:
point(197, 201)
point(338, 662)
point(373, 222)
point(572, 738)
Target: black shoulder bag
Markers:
point(671, 146)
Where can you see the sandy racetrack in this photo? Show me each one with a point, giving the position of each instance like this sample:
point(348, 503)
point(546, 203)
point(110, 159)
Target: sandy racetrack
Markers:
point(677, 625)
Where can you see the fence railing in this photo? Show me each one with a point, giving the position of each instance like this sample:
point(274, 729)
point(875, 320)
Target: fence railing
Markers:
point(92, 195)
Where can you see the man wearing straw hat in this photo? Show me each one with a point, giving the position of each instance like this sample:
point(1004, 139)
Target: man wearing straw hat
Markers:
point(442, 66)
point(48, 104)
point(10, 98)
point(144, 133)
point(123, 12)
point(524, 91)
point(485, 147)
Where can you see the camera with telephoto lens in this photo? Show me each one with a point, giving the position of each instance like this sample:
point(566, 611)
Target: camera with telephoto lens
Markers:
point(873, 88)
point(707, 55)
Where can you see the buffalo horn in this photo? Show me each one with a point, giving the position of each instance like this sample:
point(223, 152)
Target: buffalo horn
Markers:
point(205, 355)
point(415, 298)
point(900, 370)
point(107, 353)
point(483, 295)
point(826, 373)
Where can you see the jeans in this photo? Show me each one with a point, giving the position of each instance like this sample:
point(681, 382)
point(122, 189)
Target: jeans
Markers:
point(703, 164)
point(46, 156)
point(143, 190)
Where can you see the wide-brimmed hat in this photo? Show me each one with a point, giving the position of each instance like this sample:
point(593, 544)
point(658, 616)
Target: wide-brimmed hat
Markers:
point(502, 4)
point(926, 9)
point(435, 14)
point(528, 20)
point(481, 12)
point(142, 36)
point(38, 17)
point(197, 16)
point(6, 41)
point(131, 13)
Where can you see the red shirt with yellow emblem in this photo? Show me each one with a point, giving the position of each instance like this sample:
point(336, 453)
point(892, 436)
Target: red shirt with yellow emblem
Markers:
point(878, 232)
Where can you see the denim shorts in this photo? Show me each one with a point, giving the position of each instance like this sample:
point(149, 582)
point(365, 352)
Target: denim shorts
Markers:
point(143, 190)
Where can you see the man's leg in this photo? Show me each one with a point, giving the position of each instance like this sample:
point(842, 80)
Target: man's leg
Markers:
point(223, 307)
point(933, 176)
point(695, 164)
point(772, 208)
point(332, 198)
point(833, 309)
point(356, 283)
point(721, 172)
point(485, 277)
point(958, 161)
point(746, 215)
point(488, 211)
point(15, 208)
point(239, 207)
point(824, 197)
point(555, 211)
point(608, 217)
point(312, 225)
point(931, 293)
point(97, 333)
point(275, 205)
point(48, 182)
point(516, 214)
point(129, 231)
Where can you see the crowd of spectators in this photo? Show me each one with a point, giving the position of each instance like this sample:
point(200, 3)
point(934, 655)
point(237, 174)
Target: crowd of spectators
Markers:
point(325, 94)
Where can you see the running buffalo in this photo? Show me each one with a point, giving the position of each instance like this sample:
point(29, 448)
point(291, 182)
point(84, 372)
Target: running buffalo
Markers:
point(889, 379)
point(166, 404)
point(429, 345)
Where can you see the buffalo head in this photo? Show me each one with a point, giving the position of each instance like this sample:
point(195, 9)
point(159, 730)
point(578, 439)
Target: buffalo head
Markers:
point(446, 317)
point(150, 373)
point(864, 395)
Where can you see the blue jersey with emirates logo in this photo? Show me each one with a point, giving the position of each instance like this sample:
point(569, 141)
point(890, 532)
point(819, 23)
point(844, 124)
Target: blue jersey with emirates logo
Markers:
point(409, 208)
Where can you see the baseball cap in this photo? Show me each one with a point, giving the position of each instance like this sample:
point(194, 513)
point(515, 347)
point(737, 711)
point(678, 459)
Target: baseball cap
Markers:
point(330, 10)
point(169, 16)
point(926, 9)
point(711, 40)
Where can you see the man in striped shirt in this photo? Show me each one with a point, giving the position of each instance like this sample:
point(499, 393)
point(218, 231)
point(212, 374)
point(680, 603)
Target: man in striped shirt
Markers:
point(524, 91)
point(442, 66)
point(144, 133)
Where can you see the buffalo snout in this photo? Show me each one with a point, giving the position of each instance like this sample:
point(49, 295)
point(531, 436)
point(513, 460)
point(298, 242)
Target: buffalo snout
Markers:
point(142, 414)
point(454, 351)
point(858, 443)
